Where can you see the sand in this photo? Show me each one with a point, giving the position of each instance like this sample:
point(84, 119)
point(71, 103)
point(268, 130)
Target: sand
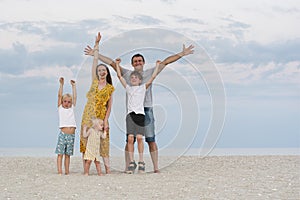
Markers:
point(189, 177)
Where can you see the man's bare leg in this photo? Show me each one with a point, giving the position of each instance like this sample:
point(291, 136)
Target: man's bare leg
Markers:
point(127, 159)
point(154, 155)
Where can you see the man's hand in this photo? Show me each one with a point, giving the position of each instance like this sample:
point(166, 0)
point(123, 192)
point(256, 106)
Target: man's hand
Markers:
point(187, 51)
point(88, 51)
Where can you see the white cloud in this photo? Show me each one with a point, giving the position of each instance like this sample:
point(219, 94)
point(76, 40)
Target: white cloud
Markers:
point(290, 73)
point(32, 41)
point(267, 21)
point(46, 72)
point(240, 73)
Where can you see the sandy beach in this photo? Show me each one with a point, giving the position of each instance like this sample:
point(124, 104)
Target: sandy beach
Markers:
point(189, 177)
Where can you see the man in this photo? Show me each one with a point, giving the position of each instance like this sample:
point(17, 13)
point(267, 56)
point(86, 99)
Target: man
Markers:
point(138, 62)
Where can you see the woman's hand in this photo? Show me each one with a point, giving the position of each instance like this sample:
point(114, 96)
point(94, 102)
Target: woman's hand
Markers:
point(98, 38)
point(106, 125)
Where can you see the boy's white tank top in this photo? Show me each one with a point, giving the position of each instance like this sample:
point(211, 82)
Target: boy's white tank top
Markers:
point(66, 117)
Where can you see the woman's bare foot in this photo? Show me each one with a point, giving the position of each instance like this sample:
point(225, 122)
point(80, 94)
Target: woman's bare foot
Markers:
point(107, 170)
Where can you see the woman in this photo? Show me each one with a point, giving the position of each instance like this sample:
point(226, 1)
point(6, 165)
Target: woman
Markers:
point(99, 103)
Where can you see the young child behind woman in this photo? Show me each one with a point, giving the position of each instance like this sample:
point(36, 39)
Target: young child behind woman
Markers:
point(92, 152)
point(67, 125)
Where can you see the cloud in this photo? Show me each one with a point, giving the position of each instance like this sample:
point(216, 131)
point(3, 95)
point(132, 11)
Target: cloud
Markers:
point(44, 46)
point(246, 73)
point(228, 51)
point(188, 20)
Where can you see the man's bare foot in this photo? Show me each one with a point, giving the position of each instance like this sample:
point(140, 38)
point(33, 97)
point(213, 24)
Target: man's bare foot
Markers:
point(100, 174)
point(156, 171)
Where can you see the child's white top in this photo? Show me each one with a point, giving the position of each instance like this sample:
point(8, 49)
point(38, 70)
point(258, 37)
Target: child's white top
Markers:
point(66, 117)
point(135, 98)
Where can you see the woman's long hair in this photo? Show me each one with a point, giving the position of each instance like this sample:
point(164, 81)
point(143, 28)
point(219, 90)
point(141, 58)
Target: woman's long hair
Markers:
point(108, 77)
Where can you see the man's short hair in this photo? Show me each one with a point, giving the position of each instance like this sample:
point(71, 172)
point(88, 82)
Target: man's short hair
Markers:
point(137, 55)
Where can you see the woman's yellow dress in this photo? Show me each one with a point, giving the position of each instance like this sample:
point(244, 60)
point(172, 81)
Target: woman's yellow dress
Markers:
point(96, 107)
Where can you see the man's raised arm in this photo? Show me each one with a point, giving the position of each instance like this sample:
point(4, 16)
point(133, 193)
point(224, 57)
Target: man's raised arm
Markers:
point(90, 52)
point(185, 51)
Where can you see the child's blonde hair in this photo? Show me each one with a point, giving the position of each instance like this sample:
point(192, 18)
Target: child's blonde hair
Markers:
point(66, 96)
point(94, 120)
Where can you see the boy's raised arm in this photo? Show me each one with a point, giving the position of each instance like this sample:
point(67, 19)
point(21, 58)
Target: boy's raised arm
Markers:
point(153, 76)
point(60, 90)
point(74, 92)
point(119, 74)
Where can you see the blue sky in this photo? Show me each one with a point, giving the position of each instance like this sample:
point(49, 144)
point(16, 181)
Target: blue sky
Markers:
point(251, 49)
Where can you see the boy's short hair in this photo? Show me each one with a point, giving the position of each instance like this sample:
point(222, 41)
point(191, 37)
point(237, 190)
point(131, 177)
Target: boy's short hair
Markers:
point(137, 74)
point(66, 96)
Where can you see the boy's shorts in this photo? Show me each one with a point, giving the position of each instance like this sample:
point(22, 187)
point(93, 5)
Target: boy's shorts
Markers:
point(148, 128)
point(65, 144)
point(135, 124)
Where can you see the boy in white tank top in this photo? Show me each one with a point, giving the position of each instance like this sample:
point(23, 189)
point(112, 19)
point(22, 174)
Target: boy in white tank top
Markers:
point(67, 125)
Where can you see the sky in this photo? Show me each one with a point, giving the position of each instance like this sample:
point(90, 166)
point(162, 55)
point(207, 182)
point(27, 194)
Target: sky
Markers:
point(240, 89)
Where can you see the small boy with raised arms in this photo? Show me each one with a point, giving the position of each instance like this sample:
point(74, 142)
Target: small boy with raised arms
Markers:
point(135, 118)
point(67, 125)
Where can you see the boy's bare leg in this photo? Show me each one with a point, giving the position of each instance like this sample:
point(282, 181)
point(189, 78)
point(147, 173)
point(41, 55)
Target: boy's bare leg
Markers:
point(140, 142)
point(98, 168)
point(67, 164)
point(141, 162)
point(154, 155)
point(130, 145)
point(59, 163)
